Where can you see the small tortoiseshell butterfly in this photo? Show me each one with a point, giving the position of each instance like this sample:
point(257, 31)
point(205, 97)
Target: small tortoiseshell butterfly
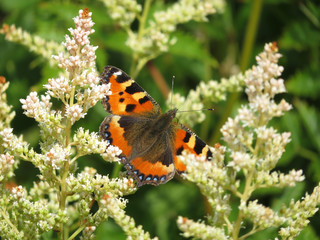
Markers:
point(150, 141)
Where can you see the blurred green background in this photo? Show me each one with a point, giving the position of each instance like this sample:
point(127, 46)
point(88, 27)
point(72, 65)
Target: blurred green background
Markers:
point(204, 51)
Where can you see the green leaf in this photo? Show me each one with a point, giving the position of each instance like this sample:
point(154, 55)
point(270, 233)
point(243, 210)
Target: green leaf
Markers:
point(288, 193)
point(116, 41)
point(290, 122)
point(308, 233)
point(109, 230)
point(10, 5)
point(186, 46)
point(305, 83)
point(298, 35)
point(310, 118)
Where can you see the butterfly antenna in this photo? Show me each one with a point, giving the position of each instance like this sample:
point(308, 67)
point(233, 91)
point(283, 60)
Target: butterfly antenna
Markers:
point(196, 110)
point(172, 84)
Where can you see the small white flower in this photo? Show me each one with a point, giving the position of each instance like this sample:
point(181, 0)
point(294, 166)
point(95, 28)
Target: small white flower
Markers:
point(241, 160)
point(74, 113)
point(7, 134)
point(58, 87)
point(56, 156)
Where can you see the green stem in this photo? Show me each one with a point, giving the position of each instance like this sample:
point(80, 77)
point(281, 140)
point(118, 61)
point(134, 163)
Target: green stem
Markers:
point(116, 170)
point(248, 189)
point(144, 16)
point(77, 232)
point(245, 196)
point(207, 76)
point(136, 58)
point(244, 62)
point(8, 221)
point(308, 154)
point(65, 170)
point(253, 231)
point(250, 34)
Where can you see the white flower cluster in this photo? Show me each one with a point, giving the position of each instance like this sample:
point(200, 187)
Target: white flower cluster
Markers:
point(79, 84)
point(6, 115)
point(12, 143)
point(261, 216)
point(212, 179)
point(88, 143)
point(114, 207)
point(262, 85)
point(56, 156)
point(247, 134)
point(199, 230)
point(153, 36)
point(112, 154)
point(297, 214)
point(88, 233)
point(6, 166)
point(35, 209)
point(88, 181)
point(40, 109)
point(34, 108)
point(123, 11)
point(35, 44)
point(156, 38)
point(82, 54)
point(46, 206)
point(253, 149)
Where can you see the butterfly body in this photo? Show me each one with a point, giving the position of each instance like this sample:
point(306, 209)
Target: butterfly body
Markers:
point(149, 139)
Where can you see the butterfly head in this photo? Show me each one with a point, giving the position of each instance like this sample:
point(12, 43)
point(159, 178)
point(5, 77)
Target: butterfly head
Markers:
point(165, 120)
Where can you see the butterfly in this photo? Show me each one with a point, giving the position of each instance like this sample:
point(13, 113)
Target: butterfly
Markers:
point(149, 139)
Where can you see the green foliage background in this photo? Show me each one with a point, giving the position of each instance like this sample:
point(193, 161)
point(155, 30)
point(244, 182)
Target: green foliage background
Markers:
point(203, 51)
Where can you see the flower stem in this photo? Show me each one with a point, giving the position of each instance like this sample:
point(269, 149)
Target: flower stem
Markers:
point(8, 221)
point(244, 62)
point(83, 226)
point(136, 65)
point(65, 170)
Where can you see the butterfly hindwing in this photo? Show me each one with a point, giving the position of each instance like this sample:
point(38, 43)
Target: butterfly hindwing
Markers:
point(127, 97)
point(155, 171)
point(111, 131)
point(148, 159)
point(189, 141)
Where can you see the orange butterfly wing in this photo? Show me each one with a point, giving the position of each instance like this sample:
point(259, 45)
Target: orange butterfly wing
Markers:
point(189, 141)
point(127, 97)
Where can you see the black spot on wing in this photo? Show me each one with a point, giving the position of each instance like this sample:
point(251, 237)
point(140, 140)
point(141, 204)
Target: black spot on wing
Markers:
point(199, 145)
point(143, 100)
point(125, 121)
point(179, 150)
point(187, 137)
point(121, 77)
point(121, 99)
point(130, 107)
point(134, 88)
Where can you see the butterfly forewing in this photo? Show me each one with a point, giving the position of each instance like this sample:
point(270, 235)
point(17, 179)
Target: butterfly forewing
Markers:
point(127, 97)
